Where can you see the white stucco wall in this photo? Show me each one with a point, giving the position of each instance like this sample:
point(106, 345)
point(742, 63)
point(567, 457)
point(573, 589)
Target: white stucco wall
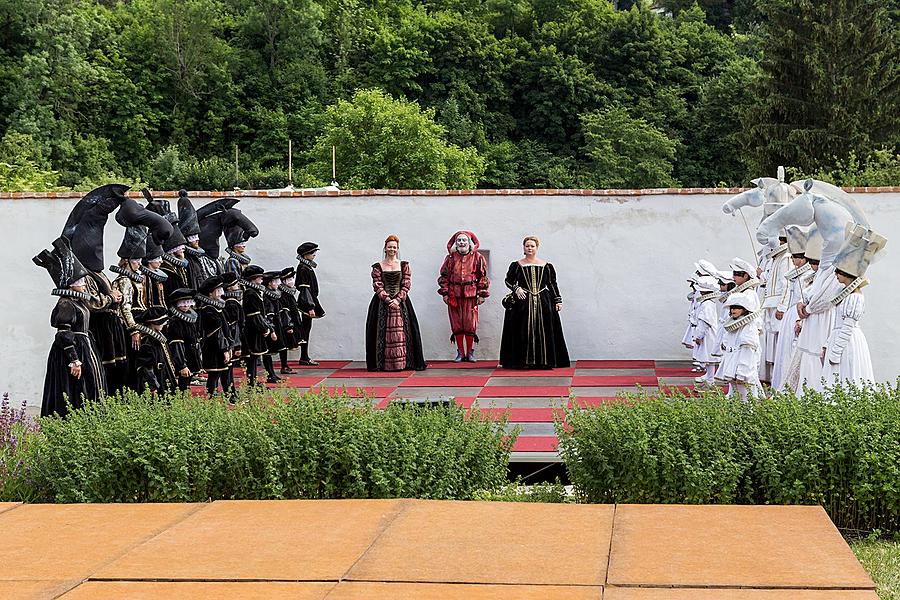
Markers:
point(621, 260)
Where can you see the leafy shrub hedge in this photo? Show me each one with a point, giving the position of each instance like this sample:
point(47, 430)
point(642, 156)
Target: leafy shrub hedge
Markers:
point(840, 450)
point(189, 449)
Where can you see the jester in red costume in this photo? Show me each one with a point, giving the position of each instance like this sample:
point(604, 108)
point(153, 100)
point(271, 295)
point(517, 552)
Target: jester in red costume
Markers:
point(463, 283)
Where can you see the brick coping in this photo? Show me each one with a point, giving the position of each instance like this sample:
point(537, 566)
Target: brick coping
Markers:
point(397, 192)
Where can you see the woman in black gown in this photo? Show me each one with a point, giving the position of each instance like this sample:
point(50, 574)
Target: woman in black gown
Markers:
point(73, 370)
point(393, 341)
point(532, 332)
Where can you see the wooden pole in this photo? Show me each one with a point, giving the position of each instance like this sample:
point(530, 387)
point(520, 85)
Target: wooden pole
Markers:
point(290, 165)
point(236, 167)
point(333, 165)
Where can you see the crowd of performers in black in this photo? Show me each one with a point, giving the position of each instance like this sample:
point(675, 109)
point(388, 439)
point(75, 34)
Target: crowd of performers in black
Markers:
point(176, 311)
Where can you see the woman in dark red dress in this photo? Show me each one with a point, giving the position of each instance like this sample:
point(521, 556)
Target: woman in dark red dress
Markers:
point(393, 341)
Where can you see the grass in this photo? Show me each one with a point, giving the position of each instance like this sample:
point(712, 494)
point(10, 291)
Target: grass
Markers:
point(881, 558)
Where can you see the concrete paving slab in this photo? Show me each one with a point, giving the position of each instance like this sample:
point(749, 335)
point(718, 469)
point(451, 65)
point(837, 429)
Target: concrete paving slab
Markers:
point(35, 589)
point(676, 380)
point(731, 546)
point(352, 590)
point(613, 390)
point(614, 372)
point(486, 372)
point(362, 382)
point(496, 542)
point(619, 593)
point(506, 381)
point(521, 402)
point(5, 506)
point(532, 429)
point(189, 590)
point(72, 541)
point(297, 540)
point(434, 392)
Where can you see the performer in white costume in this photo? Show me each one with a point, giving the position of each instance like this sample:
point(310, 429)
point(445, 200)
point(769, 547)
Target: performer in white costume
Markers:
point(817, 318)
point(786, 311)
point(742, 273)
point(778, 263)
point(726, 285)
point(702, 268)
point(740, 344)
point(847, 356)
point(707, 331)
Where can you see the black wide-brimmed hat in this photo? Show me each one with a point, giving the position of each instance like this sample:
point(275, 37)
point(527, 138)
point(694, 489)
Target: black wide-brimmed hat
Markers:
point(154, 314)
point(210, 284)
point(181, 294)
point(251, 271)
point(61, 263)
point(288, 272)
point(306, 248)
point(229, 278)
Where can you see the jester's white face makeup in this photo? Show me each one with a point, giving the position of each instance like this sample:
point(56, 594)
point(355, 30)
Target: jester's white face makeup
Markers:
point(463, 243)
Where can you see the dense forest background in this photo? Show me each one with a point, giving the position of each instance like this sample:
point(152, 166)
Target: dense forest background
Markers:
point(447, 93)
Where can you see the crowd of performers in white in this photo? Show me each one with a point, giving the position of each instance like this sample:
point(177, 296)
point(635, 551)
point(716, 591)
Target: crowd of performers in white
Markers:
point(791, 319)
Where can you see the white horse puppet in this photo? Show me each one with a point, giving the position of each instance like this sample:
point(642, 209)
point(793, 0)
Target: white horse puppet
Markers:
point(832, 210)
point(826, 205)
point(769, 193)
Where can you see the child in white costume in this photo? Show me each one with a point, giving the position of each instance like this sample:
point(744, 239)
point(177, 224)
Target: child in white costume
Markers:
point(726, 285)
point(707, 331)
point(740, 344)
point(847, 355)
point(786, 312)
point(701, 268)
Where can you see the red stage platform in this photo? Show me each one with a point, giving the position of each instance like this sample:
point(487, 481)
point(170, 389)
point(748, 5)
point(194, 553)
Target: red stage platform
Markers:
point(529, 397)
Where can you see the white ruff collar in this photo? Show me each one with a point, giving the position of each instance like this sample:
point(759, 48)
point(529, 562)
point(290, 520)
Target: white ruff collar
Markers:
point(849, 289)
point(738, 323)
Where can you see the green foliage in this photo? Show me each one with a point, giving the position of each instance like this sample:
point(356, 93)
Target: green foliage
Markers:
point(839, 450)
point(881, 168)
point(386, 142)
point(104, 89)
point(519, 492)
point(831, 84)
point(21, 165)
point(626, 152)
point(881, 559)
point(189, 449)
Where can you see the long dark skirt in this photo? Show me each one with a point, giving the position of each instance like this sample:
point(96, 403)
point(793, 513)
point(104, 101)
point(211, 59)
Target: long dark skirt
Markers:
point(59, 383)
point(377, 336)
point(533, 339)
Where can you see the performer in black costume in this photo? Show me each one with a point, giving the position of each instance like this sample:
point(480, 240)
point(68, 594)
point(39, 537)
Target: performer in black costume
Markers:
point(175, 264)
point(234, 318)
point(291, 316)
point(237, 257)
point(256, 328)
point(532, 333)
point(275, 316)
point(183, 333)
point(200, 266)
point(154, 277)
point(155, 369)
point(73, 370)
point(84, 228)
point(308, 297)
point(216, 345)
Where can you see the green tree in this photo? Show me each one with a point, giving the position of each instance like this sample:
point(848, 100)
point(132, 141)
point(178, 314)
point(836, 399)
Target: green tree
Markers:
point(384, 142)
point(831, 84)
point(626, 152)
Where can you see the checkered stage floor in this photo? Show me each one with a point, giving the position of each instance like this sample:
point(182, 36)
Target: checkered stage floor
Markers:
point(529, 396)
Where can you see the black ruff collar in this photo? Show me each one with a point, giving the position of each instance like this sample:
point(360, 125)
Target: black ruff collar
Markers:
point(241, 258)
point(67, 293)
point(174, 260)
point(154, 275)
point(132, 275)
point(206, 300)
point(188, 317)
point(309, 263)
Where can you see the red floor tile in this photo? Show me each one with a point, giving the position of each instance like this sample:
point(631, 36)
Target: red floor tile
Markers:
point(567, 372)
point(461, 381)
point(536, 443)
point(615, 381)
point(616, 364)
point(360, 373)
